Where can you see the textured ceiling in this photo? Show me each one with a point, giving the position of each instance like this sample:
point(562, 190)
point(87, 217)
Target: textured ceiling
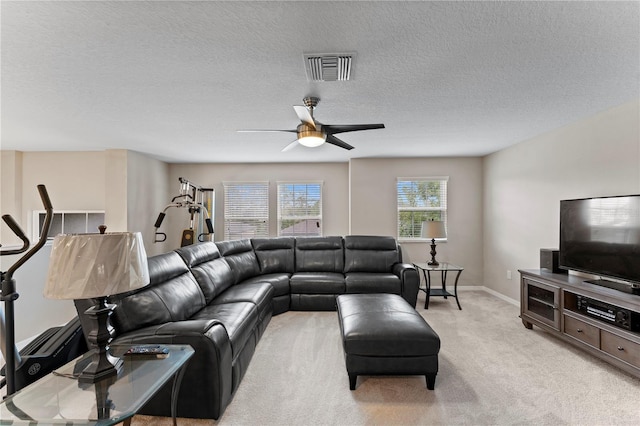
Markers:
point(177, 79)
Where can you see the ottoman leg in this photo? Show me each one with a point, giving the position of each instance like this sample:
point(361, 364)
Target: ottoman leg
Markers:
point(352, 381)
point(431, 380)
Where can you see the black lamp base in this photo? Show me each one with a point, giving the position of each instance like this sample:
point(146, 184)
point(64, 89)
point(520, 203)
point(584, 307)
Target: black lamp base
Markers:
point(433, 261)
point(103, 364)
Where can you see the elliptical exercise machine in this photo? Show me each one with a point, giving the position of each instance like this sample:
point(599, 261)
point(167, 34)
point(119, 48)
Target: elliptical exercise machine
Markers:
point(191, 197)
point(55, 346)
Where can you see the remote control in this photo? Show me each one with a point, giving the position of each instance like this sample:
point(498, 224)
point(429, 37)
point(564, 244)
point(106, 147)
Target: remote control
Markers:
point(147, 350)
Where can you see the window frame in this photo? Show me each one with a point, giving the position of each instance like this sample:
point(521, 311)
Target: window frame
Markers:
point(443, 209)
point(279, 213)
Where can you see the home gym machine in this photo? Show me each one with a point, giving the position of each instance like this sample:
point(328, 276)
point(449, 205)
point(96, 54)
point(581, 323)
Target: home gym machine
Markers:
point(51, 349)
point(199, 202)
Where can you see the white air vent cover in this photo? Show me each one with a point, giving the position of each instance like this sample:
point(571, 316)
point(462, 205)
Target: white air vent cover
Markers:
point(329, 67)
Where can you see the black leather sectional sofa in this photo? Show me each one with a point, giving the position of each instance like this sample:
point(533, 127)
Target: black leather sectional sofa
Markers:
point(219, 298)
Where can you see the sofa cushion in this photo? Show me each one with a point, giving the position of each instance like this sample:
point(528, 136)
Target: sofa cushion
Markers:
point(196, 254)
point(319, 254)
point(239, 320)
point(274, 254)
point(172, 295)
point(241, 258)
point(317, 283)
point(372, 282)
point(212, 272)
point(368, 253)
point(279, 282)
point(259, 294)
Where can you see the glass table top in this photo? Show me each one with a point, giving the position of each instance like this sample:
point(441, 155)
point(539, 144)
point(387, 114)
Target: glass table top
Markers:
point(442, 266)
point(58, 398)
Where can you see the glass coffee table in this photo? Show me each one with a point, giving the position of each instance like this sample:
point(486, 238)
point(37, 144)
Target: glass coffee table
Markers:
point(58, 398)
point(443, 268)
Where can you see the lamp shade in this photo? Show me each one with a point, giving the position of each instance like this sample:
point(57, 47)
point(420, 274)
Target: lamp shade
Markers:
point(84, 266)
point(433, 229)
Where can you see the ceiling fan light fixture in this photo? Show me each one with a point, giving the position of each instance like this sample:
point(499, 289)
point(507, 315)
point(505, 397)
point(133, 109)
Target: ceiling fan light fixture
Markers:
point(311, 138)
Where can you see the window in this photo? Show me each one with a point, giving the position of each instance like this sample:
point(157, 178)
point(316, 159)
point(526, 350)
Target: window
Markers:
point(67, 222)
point(300, 209)
point(246, 210)
point(420, 199)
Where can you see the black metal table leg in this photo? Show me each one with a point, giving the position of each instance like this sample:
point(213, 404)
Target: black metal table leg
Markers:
point(175, 389)
point(427, 279)
point(444, 283)
point(455, 290)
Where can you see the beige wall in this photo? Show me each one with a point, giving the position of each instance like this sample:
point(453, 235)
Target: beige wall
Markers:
point(333, 175)
point(147, 193)
point(373, 207)
point(523, 186)
point(130, 187)
point(115, 191)
point(74, 181)
point(11, 192)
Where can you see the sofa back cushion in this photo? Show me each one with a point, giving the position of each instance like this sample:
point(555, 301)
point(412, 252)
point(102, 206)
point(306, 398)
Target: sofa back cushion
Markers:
point(210, 270)
point(319, 254)
point(275, 255)
point(172, 295)
point(366, 253)
point(241, 258)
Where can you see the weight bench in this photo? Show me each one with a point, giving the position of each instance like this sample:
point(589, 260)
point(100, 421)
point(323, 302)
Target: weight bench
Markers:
point(383, 335)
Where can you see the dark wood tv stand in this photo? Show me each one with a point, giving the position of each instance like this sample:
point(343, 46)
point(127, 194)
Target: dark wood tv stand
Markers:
point(551, 301)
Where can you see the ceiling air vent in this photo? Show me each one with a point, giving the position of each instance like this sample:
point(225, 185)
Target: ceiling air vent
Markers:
point(329, 67)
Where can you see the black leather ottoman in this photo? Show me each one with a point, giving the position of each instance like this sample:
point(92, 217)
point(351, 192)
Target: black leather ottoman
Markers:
point(383, 335)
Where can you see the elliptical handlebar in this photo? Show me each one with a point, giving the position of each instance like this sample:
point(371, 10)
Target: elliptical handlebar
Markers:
point(44, 196)
point(46, 202)
point(8, 219)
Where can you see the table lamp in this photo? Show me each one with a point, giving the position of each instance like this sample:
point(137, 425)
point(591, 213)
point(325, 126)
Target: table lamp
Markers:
point(432, 229)
point(84, 266)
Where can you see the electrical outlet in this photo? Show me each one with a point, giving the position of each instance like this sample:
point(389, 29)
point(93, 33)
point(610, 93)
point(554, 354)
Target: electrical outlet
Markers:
point(508, 274)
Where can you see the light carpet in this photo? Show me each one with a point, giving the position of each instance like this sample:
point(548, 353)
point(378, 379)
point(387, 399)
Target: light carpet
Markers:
point(492, 371)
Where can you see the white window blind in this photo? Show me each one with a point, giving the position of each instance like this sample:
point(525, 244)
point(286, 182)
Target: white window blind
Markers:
point(300, 209)
point(420, 199)
point(246, 210)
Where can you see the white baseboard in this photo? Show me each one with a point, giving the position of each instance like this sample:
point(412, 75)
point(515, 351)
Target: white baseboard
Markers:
point(491, 292)
point(501, 296)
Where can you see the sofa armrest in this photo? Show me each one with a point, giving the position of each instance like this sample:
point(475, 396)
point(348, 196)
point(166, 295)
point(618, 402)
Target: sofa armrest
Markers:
point(410, 281)
point(207, 383)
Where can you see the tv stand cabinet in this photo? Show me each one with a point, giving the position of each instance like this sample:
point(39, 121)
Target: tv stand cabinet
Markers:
point(550, 301)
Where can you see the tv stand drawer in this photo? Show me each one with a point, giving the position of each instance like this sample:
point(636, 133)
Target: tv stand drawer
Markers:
point(621, 348)
point(582, 331)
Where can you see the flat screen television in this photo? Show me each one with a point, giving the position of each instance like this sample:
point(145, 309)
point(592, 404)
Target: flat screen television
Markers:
point(601, 236)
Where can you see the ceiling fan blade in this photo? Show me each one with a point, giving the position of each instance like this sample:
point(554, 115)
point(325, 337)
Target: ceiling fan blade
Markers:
point(304, 115)
point(337, 142)
point(254, 131)
point(290, 146)
point(342, 128)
